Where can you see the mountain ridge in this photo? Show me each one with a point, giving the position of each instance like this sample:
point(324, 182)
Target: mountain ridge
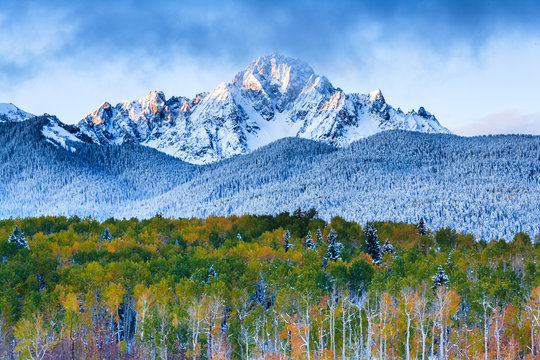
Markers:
point(11, 113)
point(273, 97)
point(488, 186)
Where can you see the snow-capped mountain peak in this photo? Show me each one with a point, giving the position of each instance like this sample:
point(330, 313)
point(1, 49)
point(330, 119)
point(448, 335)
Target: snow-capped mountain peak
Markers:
point(273, 97)
point(10, 112)
point(280, 72)
point(376, 95)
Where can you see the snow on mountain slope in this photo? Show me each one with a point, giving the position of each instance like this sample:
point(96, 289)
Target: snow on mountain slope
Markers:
point(9, 112)
point(59, 134)
point(489, 185)
point(273, 98)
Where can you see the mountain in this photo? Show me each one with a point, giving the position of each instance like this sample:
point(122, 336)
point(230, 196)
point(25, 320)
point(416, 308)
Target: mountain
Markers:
point(488, 186)
point(273, 98)
point(9, 112)
point(44, 172)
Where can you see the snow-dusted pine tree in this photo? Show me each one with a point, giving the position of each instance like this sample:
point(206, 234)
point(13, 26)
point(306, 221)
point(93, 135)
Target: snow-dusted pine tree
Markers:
point(260, 291)
point(262, 296)
point(17, 237)
point(319, 237)
point(239, 237)
point(334, 248)
point(387, 247)
point(422, 230)
point(287, 241)
point(440, 278)
point(372, 245)
point(212, 273)
point(309, 244)
point(106, 235)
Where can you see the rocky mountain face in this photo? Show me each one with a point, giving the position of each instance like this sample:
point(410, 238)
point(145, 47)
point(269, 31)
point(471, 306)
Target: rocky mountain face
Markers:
point(273, 98)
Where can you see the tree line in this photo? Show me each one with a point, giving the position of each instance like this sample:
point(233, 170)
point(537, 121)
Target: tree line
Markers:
point(289, 286)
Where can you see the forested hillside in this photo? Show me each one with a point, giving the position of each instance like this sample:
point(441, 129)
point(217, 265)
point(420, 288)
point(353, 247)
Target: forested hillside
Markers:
point(290, 286)
point(488, 186)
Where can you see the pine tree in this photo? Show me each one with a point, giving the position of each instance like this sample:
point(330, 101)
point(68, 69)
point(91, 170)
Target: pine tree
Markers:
point(422, 230)
point(387, 247)
point(239, 237)
point(440, 278)
point(334, 248)
point(212, 273)
point(298, 213)
point(309, 244)
point(17, 237)
point(261, 295)
point(106, 235)
point(319, 237)
point(287, 241)
point(372, 245)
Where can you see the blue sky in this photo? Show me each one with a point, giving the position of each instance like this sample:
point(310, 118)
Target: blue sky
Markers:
point(474, 64)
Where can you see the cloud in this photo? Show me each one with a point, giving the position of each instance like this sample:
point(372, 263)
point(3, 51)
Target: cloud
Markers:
point(244, 29)
point(27, 39)
point(461, 59)
point(71, 91)
point(506, 122)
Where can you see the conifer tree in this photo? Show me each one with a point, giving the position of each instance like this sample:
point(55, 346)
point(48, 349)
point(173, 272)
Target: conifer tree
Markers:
point(440, 278)
point(422, 230)
point(319, 237)
point(17, 237)
point(106, 235)
point(287, 241)
point(387, 247)
point(372, 245)
point(239, 237)
point(309, 244)
point(334, 248)
point(262, 296)
point(212, 273)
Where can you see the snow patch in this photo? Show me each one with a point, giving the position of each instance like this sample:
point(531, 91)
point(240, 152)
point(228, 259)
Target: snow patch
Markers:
point(10, 112)
point(57, 135)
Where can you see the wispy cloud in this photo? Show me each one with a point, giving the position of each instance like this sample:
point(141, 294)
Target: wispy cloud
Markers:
point(31, 37)
point(507, 122)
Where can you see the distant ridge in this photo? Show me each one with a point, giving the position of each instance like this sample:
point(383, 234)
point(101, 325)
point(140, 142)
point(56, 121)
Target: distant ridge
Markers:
point(488, 186)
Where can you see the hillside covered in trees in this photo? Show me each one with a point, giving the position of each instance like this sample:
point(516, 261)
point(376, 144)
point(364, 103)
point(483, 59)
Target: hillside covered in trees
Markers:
point(488, 186)
point(289, 286)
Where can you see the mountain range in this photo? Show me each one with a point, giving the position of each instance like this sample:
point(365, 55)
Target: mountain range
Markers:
point(276, 138)
point(488, 186)
point(272, 98)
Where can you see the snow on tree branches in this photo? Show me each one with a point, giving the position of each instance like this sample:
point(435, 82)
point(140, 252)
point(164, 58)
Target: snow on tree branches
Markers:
point(287, 241)
point(261, 295)
point(106, 235)
point(212, 273)
point(334, 248)
point(440, 278)
point(319, 237)
point(422, 230)
point(387, 247)
point(372, 245)
point(17, 237)
point(309, 243)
